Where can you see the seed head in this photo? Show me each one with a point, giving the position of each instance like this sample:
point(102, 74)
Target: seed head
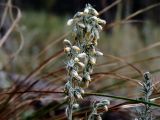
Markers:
point(81, 25)
point(67, 42)
point(70, 22)
point(77, 49)
point(77, 95)
point(98, 53)
point(147, 75)
point(81, 64)
point(87, 77)
point(76, 59)
point(86, 10)
point(93, 60)
point(106, 108)
point(82, 55)
point(99, 27)
point(67, 49)
point(76, 105)
point(78, 14)
point(100, 21)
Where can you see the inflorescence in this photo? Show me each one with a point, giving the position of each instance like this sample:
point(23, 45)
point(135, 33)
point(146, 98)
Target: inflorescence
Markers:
point(145, 112)
point(81, 56)
point(96, 105)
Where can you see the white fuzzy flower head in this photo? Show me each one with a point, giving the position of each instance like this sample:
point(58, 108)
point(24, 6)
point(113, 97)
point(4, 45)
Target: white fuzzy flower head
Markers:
point(98, 20)
point(93, 60)
point(87, 77)
point(78, 14)
point(76, 59)
point(95, 18)
point(95, 12)
point(78, 95)
point(82, 91)
point(81, 64)
point(90, 10)
point(67, 49)
point(70, 22)
point(76, 105)
point(106, 108)
point(101, 21)
point(86, 83)
point(81, 25)
point(86, 10)
point(106, 102)
point(67, 42)
point(98, 117)
point(76, 48)
point(96, 34)
point(98, 53)
point(82, 55)
point(74, 73)
point(99, 27)
point(79, 78)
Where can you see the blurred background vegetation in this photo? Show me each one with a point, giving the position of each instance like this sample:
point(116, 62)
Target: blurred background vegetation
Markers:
point(43, 25)
point(43, 22)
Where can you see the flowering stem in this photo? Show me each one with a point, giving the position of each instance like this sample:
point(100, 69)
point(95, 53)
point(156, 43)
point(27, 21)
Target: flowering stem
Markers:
point(81, 55)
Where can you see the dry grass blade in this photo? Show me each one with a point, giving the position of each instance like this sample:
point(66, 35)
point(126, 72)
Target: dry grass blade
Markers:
point(31, 75)
point(141, 11)
point(43, 64)
point(4, 14)
point(17, 29)
point(4, 38)
point(114, 63)
point(143, 49)
point(131, 16)
point(33, 91)
point(122, 60)
point(20, 107)
point(55, 74)
point(117, 75)
point(52, 43)
point(109, 7)
point(4, 104)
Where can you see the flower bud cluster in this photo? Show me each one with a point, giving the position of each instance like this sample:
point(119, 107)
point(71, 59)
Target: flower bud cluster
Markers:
point(145, 112)
point(94, 115)
point(73, 65)
point(72, 88)
point(82, 55)
point(86, 27)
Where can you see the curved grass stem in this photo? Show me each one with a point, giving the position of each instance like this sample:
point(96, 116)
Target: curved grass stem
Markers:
point(122, 98)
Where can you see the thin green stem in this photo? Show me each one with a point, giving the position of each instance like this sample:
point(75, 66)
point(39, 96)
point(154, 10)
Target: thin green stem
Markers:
point(123, 98)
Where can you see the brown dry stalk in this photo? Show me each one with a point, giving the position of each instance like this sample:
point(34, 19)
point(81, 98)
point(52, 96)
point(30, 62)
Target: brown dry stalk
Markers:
point(4, 38)
point(109, 7)
point(17, 28)
point(52, 43)
point(43, 64)
point(131, 16)
point(129, 64)
point(124, 77)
